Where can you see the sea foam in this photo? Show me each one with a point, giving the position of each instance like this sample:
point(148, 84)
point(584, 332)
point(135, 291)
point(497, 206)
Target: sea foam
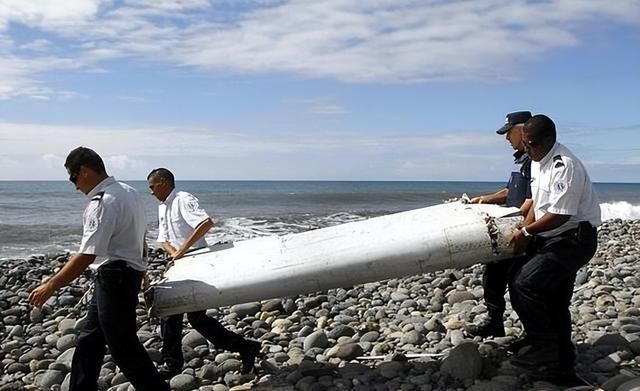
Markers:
point(620, 210)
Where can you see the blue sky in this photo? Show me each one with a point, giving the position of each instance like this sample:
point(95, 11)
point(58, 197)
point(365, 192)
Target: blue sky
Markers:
point(347, 90)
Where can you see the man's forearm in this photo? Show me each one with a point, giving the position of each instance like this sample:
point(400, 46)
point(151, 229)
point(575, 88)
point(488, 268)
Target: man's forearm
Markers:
point(526, 210)
point(76, 265)
point(546, 223)
point(169, 248)
point(196, 235)
point(499, 197)
point(71, 270)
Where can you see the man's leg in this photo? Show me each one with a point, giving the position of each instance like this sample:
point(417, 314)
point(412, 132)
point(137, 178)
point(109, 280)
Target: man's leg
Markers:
point(494, 282)
point(171, 330)
point(212, 330)
point(576, 252)
point(541, 291)
point(117, 298)
point(89, 353)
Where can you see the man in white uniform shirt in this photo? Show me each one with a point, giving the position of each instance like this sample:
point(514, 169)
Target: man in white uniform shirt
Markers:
point(182, 226)
point(112, 245)
point(561, 239)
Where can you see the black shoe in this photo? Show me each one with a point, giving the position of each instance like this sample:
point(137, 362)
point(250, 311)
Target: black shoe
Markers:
point(167, 371)
point(563, 378)
point(490, 329)
point(550, 372)
point(518, 344)
point(538, 357)
point(249, 352)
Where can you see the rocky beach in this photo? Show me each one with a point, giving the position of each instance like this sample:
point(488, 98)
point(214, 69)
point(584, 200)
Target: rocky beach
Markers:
point(400, 334)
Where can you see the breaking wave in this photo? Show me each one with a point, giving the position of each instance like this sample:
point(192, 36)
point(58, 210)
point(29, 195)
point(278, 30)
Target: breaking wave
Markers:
point(620, 210)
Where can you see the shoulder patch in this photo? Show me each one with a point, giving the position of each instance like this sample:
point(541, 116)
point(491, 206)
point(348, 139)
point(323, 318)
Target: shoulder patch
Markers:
point(92, 224)
point(98, 197)
point(558, 162)
point(192, 205)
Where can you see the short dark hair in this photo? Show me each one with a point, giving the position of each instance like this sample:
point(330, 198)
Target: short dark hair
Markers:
point(540, 127)
point(162, 173)
point(83, 156)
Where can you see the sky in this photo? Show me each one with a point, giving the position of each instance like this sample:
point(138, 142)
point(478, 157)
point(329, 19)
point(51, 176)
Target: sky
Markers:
point(315, 90)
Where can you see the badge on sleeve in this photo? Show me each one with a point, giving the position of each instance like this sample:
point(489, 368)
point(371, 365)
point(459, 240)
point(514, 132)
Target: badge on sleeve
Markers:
point(560, 187)
point(91, 220)
point(92, 224)
point(192, 206)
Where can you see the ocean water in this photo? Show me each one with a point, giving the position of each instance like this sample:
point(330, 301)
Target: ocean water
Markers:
point(46, 216)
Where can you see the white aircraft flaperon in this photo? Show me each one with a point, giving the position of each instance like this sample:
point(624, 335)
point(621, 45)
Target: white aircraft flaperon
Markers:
point(451, 235)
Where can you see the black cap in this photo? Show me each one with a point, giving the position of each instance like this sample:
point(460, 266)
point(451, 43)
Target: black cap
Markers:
point(518, 117)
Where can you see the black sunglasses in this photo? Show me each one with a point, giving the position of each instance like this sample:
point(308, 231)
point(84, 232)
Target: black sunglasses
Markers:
point(73, 176)
point(156, 183)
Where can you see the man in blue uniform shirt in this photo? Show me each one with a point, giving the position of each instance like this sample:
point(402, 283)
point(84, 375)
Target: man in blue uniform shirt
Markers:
point(560, 237)
point(517, 193)
point(112, 245)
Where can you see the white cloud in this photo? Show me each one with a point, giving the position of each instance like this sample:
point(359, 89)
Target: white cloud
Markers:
point(171, 141)
point(48, 13)
point(53, 160)
point(133, 150)
point(170, 5)
point(131, 99)
point(33, 151)
point(351, 40)
point(17, 77)
point(38, 45)
point(121, 162)
point(320, 106)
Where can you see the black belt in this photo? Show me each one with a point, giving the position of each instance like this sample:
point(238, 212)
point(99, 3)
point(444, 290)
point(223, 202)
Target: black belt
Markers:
point(579, 233)
point(116, 266)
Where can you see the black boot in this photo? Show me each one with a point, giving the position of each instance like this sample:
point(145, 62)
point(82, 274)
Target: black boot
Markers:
point(169, 369)
point(519, 344)
point(249, 351)
point(492, 328)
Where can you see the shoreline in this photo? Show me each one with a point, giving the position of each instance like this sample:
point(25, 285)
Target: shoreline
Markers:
point(314, 341)
point(220, 235)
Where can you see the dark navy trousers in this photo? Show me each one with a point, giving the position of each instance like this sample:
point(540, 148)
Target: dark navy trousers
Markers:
point(495, 281)
point(210, 328)
point(542, 287)
point(111, 321)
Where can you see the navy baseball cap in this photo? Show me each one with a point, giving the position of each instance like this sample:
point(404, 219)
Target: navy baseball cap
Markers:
point(518, 117)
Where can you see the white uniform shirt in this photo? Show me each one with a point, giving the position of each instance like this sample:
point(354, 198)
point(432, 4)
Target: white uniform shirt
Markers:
point(114, 225)
point(560, 185)
point(178, 216)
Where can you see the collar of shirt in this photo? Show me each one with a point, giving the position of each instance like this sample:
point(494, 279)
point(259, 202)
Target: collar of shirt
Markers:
point(549, 154)
point(170, 197)
point(519, 157)
point(98, 188)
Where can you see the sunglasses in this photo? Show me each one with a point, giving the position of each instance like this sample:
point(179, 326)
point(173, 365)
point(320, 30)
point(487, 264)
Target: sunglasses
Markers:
point(73, 176)
point(153, 185)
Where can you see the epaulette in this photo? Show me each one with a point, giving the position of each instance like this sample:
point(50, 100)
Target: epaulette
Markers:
point(98, 197)
point(558, 161)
